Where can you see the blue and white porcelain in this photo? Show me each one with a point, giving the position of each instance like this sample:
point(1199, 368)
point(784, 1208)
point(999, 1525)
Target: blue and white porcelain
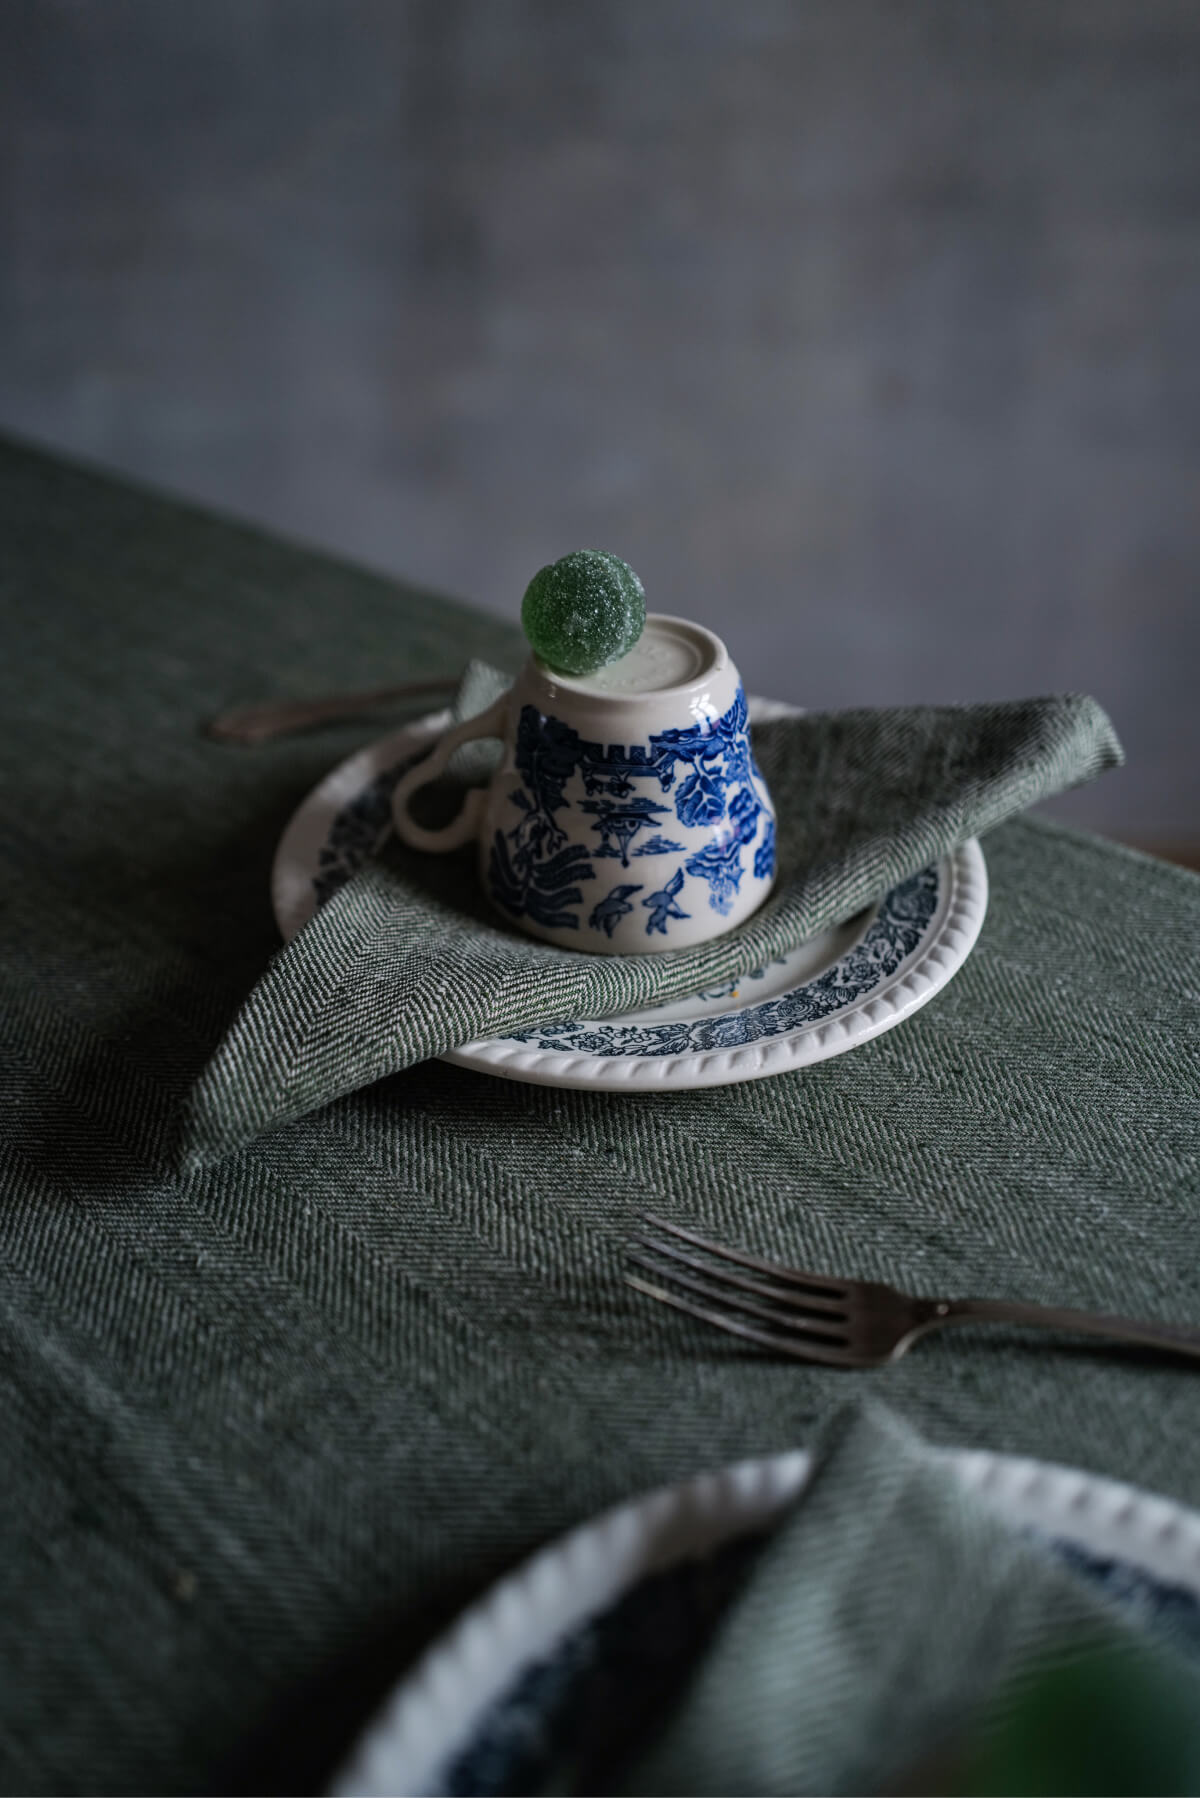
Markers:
point(626, 816)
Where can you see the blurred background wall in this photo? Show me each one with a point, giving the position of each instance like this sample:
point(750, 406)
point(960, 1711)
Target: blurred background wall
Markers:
point(867, 330)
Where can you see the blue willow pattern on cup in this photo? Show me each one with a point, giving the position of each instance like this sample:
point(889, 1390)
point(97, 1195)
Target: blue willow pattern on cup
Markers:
point(896, 930)
point(707, 768)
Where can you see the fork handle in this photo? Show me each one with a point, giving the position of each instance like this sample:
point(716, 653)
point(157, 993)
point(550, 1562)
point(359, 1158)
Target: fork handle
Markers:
point(250, 725)
point(1175, 1338)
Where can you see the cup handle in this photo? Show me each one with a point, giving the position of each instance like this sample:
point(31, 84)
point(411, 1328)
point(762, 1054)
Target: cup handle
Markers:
point(462, 829)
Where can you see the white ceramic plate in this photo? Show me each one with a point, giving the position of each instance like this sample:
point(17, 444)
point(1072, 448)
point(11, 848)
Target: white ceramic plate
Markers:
point(1141, 1548)
point(837, 990)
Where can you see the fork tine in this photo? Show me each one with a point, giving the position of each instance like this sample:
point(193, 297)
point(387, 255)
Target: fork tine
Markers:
point(794, 1300)
point(826, 1328)
point(791, 1276)
point(801, 1350)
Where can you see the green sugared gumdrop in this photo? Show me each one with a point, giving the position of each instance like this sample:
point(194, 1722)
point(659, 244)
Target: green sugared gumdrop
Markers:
point(583, 611)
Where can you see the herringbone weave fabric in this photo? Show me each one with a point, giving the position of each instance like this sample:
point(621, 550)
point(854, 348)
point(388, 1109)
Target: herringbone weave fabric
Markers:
point(406, 961)
point(268, 1424)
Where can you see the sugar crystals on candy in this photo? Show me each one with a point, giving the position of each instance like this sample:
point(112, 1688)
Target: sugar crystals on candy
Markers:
point(583, 611)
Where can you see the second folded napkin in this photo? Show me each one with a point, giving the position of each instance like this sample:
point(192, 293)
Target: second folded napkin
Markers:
point(406, 960)
point(894, 1635)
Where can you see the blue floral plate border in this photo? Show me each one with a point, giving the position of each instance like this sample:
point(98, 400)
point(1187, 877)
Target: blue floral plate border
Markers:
point(842, 988)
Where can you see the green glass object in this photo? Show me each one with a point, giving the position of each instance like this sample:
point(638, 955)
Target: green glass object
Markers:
point(1117, 1716)
point(583, 611)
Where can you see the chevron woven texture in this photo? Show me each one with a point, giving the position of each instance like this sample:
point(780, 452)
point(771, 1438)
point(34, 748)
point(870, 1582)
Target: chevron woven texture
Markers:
point(268, 1421)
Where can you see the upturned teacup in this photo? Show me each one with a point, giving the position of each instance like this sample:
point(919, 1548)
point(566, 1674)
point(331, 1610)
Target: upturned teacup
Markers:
point(627, 814)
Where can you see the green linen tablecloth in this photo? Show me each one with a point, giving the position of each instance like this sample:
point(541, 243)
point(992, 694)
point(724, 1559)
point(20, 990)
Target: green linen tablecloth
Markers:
point(269, 1423)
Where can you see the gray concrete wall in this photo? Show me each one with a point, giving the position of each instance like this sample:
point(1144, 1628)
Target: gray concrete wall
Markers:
point(867, 330)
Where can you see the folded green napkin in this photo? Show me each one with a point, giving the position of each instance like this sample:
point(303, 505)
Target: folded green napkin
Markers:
point(406, 960)
point(895, 1635)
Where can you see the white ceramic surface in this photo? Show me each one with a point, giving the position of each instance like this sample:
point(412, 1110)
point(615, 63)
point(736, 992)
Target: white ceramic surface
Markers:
point(627, 815)
point(842, 988)
point(434, 1713)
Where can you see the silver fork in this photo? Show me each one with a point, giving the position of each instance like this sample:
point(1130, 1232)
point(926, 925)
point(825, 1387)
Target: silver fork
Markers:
point(843, 1323)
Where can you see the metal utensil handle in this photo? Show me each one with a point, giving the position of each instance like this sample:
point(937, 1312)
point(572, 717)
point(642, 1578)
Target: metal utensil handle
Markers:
point(462, 829)
point(250, 724)
point(1176, 1338)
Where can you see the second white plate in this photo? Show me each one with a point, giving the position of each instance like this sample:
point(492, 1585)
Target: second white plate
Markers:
point(466, 1717)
